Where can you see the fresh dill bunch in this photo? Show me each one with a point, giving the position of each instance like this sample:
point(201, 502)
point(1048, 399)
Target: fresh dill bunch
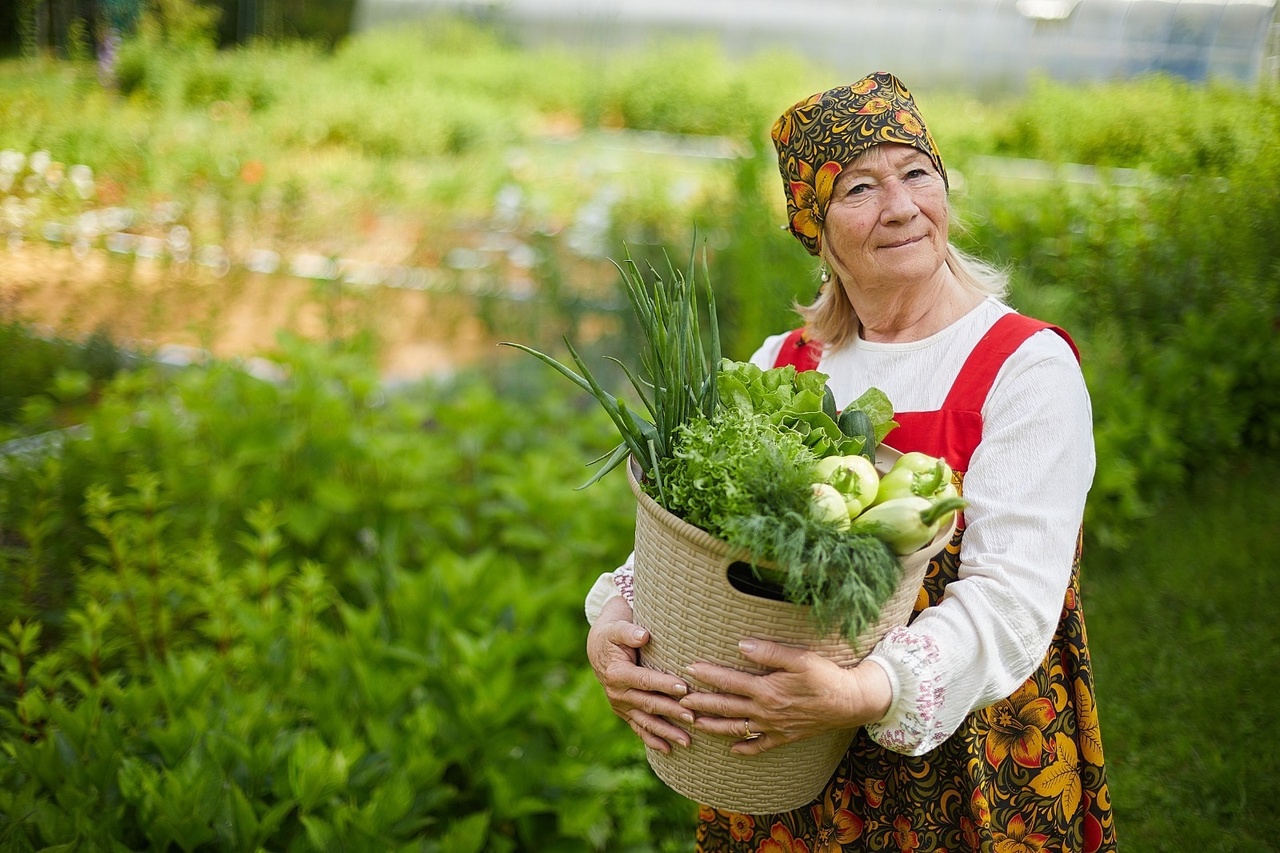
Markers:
point(844, 577)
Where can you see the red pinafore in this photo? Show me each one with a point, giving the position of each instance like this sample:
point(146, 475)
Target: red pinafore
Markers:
point(1024, 774)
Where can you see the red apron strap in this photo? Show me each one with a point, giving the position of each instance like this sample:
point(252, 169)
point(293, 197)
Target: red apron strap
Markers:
point(978, 373)
point(799, 351)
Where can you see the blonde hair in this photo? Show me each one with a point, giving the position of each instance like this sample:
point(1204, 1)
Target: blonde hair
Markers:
point(831, 318)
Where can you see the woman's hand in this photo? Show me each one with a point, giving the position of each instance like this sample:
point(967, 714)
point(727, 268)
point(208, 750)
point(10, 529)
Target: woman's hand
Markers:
point(647, 699)
point(803, 695)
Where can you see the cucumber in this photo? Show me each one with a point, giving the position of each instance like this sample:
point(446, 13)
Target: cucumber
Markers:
point(856, 424)
point(829, 403)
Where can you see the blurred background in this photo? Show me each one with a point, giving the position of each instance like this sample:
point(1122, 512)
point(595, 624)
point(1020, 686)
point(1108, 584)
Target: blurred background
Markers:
point(291, 554)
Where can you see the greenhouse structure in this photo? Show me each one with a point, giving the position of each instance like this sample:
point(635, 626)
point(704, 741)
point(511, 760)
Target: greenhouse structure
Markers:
point(987, 44)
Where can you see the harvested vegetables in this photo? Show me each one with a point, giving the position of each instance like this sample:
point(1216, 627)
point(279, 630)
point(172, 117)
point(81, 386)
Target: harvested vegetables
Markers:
point(763, 460)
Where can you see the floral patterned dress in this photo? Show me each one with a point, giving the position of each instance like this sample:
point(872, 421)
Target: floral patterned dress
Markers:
point(1025, 774)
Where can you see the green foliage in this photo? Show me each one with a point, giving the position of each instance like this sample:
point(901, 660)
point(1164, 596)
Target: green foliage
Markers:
point(310, 615)
point(677, 382)
point(746, 478)
point(246, 615)
point(686, 86)
point(1172, 290)
point(758, 269)
point(736, 465)
point(1170, 126)
point(45, 378)
point(1184, 641)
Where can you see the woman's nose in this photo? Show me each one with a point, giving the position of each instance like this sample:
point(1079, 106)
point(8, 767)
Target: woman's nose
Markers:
point(899, 204)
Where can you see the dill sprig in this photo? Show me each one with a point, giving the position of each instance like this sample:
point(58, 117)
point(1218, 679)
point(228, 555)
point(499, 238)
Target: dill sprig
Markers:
point(844, 577)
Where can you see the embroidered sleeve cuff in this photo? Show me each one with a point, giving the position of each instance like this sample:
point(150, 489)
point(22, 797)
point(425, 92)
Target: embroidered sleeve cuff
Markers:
point(916, 722)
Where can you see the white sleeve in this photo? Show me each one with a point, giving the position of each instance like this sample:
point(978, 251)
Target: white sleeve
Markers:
point(1026, 487)
point(608, 586)
point(767, 355)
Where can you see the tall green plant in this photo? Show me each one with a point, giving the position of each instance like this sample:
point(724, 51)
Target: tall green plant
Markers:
point(679, 368)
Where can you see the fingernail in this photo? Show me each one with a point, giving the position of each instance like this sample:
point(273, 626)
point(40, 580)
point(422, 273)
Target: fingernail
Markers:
point(689, 669)
point(638, 633)
point(680, 688)
point(747, 646)
point(687, 717)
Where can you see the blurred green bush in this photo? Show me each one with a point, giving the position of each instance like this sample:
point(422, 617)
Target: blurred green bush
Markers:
point(47, 381)
point(314, 615)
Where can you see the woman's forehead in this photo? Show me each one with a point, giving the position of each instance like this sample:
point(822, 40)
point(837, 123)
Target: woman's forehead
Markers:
point(882, 156)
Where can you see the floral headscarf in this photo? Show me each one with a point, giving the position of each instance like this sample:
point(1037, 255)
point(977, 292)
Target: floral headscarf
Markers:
point(822, 134)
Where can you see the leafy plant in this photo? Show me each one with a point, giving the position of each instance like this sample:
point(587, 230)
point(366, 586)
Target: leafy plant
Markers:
point(306, 615)
point(679, 370)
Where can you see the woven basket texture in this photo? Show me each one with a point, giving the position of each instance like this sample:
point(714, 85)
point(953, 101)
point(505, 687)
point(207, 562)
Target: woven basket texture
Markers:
point(683, 596)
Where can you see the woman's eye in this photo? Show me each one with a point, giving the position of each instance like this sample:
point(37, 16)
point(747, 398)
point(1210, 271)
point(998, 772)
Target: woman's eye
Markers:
point(917, 173)
point(858, 189)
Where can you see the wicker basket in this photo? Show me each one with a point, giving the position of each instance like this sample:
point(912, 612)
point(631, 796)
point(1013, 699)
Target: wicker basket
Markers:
point(694, 612)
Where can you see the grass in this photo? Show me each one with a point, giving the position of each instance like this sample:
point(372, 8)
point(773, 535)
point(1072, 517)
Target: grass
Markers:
point(1187, 656)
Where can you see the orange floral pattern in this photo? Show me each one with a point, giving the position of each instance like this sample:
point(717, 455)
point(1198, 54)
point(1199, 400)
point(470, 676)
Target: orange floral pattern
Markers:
point(809, 198)
point(781, 840)
point(1017, 727)
point(1018, 839)
point(837, 826)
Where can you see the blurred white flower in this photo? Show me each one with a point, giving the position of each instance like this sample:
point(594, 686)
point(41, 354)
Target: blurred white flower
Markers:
point(215, 258)
point(14, 212)
point(115, 218)
point(81, 177)
point(179, 238)
point(11, 161)
point(121, 243)
point(263, 261)
point(40, 162)
point(89, 224)
point(309, 265)
point(149, 247)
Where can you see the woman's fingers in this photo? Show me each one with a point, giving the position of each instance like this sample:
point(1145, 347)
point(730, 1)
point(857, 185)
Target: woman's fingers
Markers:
point(775, 655)
point(656, 731)
point(646, 698)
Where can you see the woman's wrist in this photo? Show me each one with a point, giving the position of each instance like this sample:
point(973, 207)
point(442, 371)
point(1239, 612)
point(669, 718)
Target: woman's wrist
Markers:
point(871, 693)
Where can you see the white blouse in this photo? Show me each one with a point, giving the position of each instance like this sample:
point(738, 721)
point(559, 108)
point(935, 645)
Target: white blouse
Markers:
point(1026, 487)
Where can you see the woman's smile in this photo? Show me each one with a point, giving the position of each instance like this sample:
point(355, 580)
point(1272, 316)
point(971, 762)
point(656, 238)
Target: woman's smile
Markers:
point(910, 241)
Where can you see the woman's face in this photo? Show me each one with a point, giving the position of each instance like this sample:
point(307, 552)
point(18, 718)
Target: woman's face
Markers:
point(886, 224)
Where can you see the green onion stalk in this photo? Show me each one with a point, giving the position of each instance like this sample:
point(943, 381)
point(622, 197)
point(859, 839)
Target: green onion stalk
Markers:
point(678, 371)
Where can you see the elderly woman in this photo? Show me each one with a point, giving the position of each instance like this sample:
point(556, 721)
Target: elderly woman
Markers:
point(978, 729)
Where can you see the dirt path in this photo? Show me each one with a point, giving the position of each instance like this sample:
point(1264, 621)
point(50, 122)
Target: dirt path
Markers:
point(155, 303)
